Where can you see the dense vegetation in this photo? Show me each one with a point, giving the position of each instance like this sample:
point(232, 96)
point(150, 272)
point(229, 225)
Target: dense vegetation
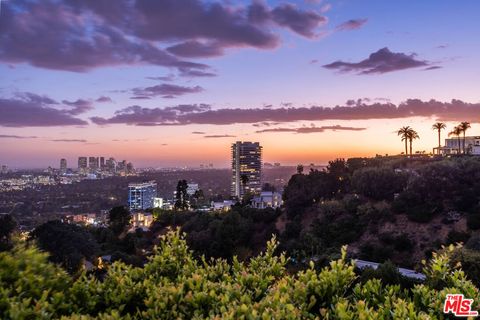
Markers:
point(242, 232)
point(386, 208)
point(175, 285)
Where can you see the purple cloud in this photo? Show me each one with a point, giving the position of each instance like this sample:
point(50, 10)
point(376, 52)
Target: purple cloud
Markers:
point(455, 110)
point(379, 62)
point(58, 35)
point(104, 99)
point(79, 35)
point(8, 136)
point(169, 77)
point(152, 117)
point(80, 106)
point(31, 110)
point(69, 140)
point(190, 73)
point(302, 22)
point(433, 68)
point(194, 48)
point(311, 129)
point(198, 132)
point(351, 24)
point(165, 90)
point(218, 136)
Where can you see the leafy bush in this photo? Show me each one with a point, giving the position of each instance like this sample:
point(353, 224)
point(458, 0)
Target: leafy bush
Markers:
point(174, 285)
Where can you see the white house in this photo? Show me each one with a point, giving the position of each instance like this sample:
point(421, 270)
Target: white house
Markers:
point(225, 205)
point(267, 199)
point(455, 146)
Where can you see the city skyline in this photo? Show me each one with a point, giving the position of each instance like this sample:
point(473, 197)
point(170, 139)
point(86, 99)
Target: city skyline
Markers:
point(310, 80)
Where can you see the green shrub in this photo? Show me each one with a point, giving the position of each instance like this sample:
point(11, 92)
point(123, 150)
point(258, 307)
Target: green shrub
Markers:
point(175, 285)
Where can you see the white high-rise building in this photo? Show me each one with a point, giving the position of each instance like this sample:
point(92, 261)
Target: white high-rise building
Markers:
point(246, 168)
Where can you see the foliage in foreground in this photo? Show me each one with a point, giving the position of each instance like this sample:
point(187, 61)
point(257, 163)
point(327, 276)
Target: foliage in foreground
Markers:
point(175, 285)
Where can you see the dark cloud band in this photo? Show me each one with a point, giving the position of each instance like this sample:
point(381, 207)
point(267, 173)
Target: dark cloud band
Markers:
point(455, 110)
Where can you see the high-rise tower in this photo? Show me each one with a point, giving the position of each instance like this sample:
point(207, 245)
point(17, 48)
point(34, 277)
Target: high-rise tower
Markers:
point(246, 168)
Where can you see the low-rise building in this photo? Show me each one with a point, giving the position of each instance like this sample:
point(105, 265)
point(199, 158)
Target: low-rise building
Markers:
point(267, 199)
point(158, 203)
point(142, 220)
point(224, 206)
point(455, 146)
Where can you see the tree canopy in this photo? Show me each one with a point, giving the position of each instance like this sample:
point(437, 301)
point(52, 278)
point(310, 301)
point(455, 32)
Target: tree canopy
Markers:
point(175, 285)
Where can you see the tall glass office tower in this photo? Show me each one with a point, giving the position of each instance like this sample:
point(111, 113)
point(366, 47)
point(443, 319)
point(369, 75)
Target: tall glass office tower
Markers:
point(141, 195)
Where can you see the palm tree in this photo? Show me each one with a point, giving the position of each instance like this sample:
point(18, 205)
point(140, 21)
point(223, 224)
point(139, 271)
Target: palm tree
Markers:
point(439, 126)
point(412, 134)
point(456, 132)
point(464, 126)
point(403, 132)
point(244, 179)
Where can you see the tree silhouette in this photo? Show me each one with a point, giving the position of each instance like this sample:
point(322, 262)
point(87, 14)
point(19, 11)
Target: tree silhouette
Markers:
point(403, 132)
point(464, 126)
point(244, 179)
point(68, 244)
point(300, 168)
point(7, 226)
point(412, 135)
point(439, 126)
point(456, 131)
point(181, 195)
point(119, 220)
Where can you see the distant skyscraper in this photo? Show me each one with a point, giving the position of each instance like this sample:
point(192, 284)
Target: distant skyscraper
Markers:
point(122, 167)
point(246, 168)
point(93, 163)
point(130, 169)
point(82, 164)
point(102, 163)
point(111, 165)
point(63, 165)
point(141, 196)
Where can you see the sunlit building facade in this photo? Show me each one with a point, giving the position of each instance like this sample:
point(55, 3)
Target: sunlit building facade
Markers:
point(246, 168)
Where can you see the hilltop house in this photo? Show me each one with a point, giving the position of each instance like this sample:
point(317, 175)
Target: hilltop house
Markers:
point(455, 146)
point(267, 199)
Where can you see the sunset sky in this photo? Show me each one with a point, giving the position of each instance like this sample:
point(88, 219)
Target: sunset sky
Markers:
point(175, 82)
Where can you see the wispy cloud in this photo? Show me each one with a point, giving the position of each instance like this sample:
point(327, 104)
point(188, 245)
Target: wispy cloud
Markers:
point(312, 129)
point(215, 136)
point(9, 136)
point(351, 24)
point(69, 140)
point(165, 90)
